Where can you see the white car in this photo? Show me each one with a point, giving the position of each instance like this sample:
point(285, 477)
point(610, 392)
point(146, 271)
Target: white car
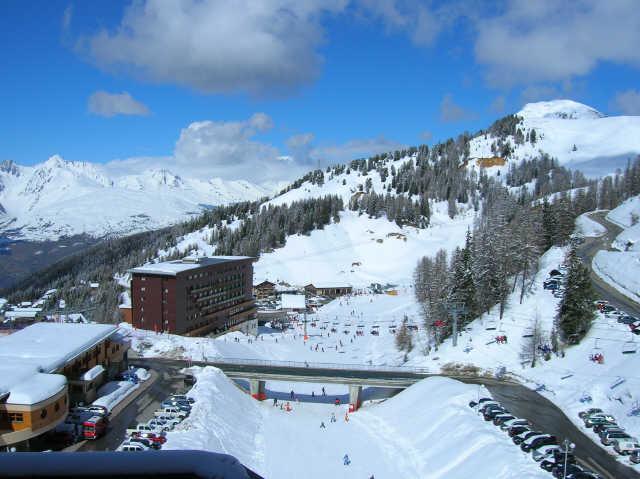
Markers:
point(626, 446)
point(513, 422)
point(544, 452)
point(132, 447)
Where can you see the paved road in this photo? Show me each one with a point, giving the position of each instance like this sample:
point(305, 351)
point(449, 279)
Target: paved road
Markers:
point(546, 417)
point(141, 409)
point(588, 250)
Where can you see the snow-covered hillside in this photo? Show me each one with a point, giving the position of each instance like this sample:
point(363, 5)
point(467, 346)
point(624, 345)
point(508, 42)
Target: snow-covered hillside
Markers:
point(577, 135)
point(62, 198)
point(426, 431)
point(621, 268)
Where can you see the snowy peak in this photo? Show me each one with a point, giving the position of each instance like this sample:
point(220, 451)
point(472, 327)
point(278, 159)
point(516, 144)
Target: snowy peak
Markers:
point(559, 109)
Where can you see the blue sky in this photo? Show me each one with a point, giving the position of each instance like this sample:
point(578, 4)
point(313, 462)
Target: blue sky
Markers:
point(331, 80)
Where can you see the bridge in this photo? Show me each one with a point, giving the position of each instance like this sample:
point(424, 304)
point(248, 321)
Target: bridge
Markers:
point(257, 372)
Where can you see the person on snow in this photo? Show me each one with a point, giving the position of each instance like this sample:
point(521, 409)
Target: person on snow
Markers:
point(346, 460)
point(322, 426)
point(337, 402)
point(333, 417)
point(292, 395)
point(323, 392)
point(313, 394)
point(275, 401)
point(346, 417)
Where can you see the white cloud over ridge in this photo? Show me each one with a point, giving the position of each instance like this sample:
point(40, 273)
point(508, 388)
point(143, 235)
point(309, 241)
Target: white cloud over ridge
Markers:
point(106, 104)
point(451, 112)
point(627, 102)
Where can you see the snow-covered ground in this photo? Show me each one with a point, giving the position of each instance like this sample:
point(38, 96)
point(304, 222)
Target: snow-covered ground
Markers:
point(587, 227)
point(621, 269)
point(565, 379)
point(444, 440)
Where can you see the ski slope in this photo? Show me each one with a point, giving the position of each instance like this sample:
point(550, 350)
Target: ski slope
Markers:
point(426, 431)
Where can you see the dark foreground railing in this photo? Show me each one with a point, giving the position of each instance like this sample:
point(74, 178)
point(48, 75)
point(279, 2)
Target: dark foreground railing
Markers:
point(152, 464)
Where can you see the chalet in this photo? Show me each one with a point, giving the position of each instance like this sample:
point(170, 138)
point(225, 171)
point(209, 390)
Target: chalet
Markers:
point(264, 290)
point(328, 290)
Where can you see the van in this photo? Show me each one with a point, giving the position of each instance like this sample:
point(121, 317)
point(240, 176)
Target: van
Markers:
point(133, 447)
point(171, 411)
point(626, 446)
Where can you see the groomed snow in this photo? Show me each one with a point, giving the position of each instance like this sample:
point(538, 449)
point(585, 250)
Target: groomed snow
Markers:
point(621, 270)
point(426, 431)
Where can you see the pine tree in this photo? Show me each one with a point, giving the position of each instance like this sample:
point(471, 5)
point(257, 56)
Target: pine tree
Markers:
point(576, 311)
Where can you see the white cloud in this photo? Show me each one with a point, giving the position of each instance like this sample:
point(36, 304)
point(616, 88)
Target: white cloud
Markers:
point(107, 104)
point(353, 149)
point(426, 136)
point(547, 40)
point(217, 46)
point(66, 17)
point(627, 102)
point(498, 104)
point(539, 93)
point(450, 112)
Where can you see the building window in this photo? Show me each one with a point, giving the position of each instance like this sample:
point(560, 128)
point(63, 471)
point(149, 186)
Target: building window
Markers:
point(56, 407)
point(43, 414)
point(15, 417)
point(143, 279)
point(143, 289)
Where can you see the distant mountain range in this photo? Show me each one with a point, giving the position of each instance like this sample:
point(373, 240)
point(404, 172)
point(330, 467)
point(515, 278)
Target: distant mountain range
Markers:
point(63, 198)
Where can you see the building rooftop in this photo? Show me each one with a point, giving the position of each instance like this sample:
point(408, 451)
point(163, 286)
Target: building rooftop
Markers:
point(42, 348)
point(293, 301)
point(171, 268)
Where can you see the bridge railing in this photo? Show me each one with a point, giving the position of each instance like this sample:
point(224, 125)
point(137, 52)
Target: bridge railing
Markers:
point(312, 365)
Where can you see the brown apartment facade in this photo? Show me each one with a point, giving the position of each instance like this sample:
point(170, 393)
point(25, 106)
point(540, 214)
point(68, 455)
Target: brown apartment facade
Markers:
point(195, 297)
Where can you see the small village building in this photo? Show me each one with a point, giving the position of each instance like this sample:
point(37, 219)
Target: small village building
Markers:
point(264, 290)
point(46, 367)
point(328, 290)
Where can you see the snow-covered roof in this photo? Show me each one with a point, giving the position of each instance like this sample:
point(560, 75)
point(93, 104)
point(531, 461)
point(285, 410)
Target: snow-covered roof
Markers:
point(171, 268)
point(43, 348)
point(20, 314)
point(92, 373)
point(293, 301)
point(329, 285)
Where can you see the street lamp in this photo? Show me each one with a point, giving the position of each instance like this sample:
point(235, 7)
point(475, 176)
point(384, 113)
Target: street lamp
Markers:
point(566, 444)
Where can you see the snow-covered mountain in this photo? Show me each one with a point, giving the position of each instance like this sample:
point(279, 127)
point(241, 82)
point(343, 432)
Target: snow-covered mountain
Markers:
point(62, 198)
point(577, 135)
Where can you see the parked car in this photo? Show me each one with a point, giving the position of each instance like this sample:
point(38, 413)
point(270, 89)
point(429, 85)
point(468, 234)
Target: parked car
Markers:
point(607, 308)
point(558, 469)
point(515, 430)
point(168, 419)
point(627, 319)
point(635, 457)
point(182, 397)
point(501, 418)
point(160, 425)
point(487, 404)
point(520, 438)
point(598, 428)
point(171, 411)
point(505, 426)
point(599, 418)
point(158, 437)
point(145, 442)
point(490, 414)
point(584, 475)
point(534, 443)
point(184, 406)
point(589, 412)
point(549, 463)
point(610, 437)
point(544, 452)
point(626, 446)
point(132, 447)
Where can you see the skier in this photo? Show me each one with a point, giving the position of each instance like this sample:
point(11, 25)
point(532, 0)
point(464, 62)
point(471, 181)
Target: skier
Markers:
point(292, 395)
point(322, 426)
point(313, 394)
point(275, 401)
point(346, 417)
point(333, 417)
point(323, 392)
point(337, 402)
point(346, 460)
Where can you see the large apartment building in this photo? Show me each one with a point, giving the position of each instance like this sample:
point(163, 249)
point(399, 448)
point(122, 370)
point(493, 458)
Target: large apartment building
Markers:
point(194, 297)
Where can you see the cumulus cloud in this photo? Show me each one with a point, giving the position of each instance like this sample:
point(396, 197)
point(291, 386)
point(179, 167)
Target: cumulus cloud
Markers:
point(627, 102)
point(548, 40)
point(217, 46)
point(539, 93)
point(498, 104)
point(102, 103)
point(450, 112)
point(353, 149)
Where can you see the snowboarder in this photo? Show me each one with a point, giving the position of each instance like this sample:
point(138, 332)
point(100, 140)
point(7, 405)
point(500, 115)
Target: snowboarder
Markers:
point(322, 426)
point(346, 460)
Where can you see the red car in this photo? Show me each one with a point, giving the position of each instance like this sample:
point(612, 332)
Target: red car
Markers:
point(151, 436)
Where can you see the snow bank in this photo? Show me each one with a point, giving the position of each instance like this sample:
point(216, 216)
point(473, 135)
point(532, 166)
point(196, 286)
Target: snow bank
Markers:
point(111, 393)
point(93, 373)
point(142, 374)
point(427, 431)
point(585, 226)
point(621, 270)
point(623, 215)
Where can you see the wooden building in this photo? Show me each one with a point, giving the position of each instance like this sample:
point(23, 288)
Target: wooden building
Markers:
point(264, 290)
point(328, 290)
